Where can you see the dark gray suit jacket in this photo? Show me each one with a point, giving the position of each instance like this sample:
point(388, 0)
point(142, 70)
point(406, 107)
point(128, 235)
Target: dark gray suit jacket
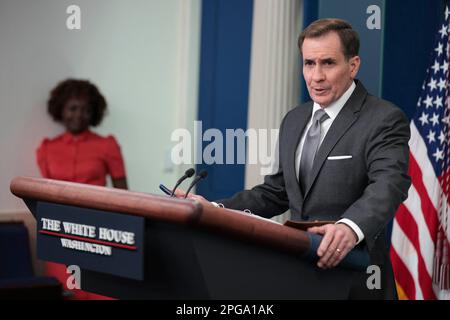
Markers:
point(366, 188)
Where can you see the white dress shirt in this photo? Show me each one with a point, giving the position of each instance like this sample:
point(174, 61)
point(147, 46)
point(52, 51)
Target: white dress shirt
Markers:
point(332, 111)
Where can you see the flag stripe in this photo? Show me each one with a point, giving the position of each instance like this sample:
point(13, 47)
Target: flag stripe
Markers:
point(408, 257)
point(415, 221)
point(430, 217)
point(419, 149)
point(403, 277)
point(410, 228)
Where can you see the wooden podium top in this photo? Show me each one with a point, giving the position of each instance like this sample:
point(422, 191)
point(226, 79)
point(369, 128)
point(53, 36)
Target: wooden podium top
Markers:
point(163, 208)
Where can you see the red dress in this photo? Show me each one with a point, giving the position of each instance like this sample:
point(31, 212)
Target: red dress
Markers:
point(83, 158)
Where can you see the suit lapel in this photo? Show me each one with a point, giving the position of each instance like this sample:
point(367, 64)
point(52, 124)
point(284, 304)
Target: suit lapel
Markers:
point(341, 124)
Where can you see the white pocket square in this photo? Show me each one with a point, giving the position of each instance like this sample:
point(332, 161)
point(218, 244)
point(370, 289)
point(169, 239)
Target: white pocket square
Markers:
point(339, 157)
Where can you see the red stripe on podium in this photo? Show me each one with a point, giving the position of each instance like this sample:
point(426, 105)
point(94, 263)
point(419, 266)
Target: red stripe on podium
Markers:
point(111, 244)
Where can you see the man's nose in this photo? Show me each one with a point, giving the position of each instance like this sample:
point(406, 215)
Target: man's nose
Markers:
point(318, 74)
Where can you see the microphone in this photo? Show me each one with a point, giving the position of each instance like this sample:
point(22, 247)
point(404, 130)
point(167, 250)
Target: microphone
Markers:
point(189, 173)
point(202, 175)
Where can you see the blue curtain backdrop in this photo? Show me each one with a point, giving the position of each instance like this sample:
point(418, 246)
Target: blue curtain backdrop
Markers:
point(224, 81)
point(409, 35)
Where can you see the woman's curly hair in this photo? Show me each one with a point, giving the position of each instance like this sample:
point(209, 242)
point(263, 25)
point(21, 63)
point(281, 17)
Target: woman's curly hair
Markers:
point(73, 88)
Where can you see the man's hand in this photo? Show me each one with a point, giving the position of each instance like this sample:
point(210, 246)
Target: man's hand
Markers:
point(338, 240)
point(179, 193)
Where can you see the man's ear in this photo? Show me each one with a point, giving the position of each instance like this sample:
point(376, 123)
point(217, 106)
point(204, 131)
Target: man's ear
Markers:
point(354, 63)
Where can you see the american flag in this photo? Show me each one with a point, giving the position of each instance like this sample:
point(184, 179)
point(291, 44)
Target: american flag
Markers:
point(421, 233)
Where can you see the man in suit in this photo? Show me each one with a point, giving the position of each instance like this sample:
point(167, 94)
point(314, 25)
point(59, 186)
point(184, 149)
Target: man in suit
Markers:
point(342, 157)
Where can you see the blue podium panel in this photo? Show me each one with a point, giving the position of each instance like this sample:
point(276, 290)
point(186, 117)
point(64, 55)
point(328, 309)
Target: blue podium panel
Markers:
point(94, 240)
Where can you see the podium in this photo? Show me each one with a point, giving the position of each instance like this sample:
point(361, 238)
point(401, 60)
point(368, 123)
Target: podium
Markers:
point(131, 245)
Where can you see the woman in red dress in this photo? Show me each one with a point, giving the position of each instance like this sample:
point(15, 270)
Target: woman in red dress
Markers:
point(78, 154)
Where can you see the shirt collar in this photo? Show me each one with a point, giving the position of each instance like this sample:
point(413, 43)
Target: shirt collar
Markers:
point(70, 137)
point(334, 108)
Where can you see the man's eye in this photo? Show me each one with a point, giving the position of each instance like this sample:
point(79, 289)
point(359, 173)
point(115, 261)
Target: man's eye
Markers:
point(308, 63)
